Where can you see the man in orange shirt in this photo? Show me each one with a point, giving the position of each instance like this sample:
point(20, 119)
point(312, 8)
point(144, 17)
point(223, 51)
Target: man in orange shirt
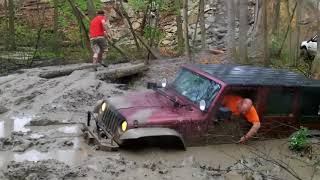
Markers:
point(238, 106)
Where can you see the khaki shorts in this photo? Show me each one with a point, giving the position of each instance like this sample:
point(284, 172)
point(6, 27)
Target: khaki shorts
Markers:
point(98, 44)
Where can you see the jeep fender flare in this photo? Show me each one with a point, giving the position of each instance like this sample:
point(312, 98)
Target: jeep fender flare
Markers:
point(150, 132)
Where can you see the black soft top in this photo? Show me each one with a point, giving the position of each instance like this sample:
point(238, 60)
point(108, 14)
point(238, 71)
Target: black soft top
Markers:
point(255, 76)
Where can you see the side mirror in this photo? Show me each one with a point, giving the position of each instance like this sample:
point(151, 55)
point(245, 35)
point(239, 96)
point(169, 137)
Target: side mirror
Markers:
point(224, 113)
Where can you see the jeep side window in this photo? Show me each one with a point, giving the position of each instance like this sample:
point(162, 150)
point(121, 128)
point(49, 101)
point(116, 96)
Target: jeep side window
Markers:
point(279, 102)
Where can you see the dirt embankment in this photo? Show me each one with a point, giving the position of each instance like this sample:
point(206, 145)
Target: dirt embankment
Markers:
point(40, 135)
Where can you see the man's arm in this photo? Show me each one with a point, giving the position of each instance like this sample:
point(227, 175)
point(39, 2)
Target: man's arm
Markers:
point(253, 117)
point(254, 129)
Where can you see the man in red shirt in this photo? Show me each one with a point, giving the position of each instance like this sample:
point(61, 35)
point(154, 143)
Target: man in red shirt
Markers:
point(243, 106)
point(98, 32)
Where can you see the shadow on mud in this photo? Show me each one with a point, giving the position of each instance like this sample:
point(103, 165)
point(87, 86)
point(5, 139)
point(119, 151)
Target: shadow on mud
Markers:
point(165, 143)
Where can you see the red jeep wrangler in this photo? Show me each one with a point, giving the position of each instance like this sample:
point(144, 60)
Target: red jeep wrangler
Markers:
point(189, 109)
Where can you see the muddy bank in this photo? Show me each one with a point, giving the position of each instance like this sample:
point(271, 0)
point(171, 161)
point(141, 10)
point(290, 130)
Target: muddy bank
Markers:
point(117, 167)
point(47, 169)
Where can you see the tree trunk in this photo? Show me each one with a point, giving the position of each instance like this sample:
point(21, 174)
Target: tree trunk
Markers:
point(231, 29)
point(186, 32)
point(154, 25)
point(55, 25)
point(82, 27)
point(243, 31)
point(91, 9)
point(265, 34)
point(298, 28)
point(144, 19)
point(196, 28)
point(125, 14)
point(12, 42)
point(179, 26)
point(277, 7)
point(202, 24)
point(316, 62)
point(288, 32)
point(6, 24)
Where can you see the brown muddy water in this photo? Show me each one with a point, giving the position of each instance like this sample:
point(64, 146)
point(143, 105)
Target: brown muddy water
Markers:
point(78, 153)
point(70, 133)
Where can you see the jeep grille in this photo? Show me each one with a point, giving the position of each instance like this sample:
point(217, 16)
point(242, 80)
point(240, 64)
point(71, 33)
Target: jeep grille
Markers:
point(110, 121)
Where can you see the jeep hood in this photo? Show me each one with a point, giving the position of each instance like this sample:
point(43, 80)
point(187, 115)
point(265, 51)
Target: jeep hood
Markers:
point(149, 107)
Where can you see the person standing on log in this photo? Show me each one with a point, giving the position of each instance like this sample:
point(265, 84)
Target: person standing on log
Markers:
point(98, 35)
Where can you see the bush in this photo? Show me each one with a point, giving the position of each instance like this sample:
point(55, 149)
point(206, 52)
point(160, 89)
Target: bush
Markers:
point(299, 140)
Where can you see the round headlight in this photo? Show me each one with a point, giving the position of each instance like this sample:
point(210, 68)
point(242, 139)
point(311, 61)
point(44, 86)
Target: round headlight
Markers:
point(104, 106)
point(124, 126)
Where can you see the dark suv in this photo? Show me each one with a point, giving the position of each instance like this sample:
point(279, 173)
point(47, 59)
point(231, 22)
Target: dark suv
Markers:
point(189, 109)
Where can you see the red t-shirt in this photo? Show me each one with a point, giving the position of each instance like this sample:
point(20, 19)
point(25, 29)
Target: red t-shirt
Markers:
point(96, 26)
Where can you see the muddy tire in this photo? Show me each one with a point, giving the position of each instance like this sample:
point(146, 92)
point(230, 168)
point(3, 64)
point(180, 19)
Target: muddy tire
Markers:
point(166, 142)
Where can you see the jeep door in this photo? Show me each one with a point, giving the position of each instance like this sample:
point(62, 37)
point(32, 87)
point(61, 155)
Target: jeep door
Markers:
point(310, 107)
point(229, 130)
point(279, 112)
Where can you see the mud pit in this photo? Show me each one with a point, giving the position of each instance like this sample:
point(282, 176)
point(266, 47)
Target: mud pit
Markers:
point(40, 137)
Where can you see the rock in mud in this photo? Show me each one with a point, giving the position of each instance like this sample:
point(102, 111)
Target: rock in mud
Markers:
point(68, 143)
point(32, 176)
point(20, 142)
point(22, 147)
point(47, 169)
point(9, 143)
point(3, 109)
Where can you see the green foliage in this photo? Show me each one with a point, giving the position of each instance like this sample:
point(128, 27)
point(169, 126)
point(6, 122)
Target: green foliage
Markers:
point(138, 5)
point(113, 55)
point(66, 15)
point(298, 140)
point(141, 5)
point(24, 37)
point(275, 45)
point(150, 32)
point(284, 59)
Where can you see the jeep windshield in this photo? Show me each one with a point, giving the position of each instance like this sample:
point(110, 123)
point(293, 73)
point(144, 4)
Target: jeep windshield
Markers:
point(195, 87)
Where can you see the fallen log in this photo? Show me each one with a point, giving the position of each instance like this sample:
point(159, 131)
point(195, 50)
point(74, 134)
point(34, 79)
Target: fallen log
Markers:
point(112, 74)
point(115, 73)
point(63, 72)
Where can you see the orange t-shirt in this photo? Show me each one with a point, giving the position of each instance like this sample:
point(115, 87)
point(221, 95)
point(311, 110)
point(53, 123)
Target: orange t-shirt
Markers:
point(232, 101)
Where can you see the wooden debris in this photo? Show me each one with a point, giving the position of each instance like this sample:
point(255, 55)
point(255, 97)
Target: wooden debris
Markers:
point(63, 72)
point(121, 72)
